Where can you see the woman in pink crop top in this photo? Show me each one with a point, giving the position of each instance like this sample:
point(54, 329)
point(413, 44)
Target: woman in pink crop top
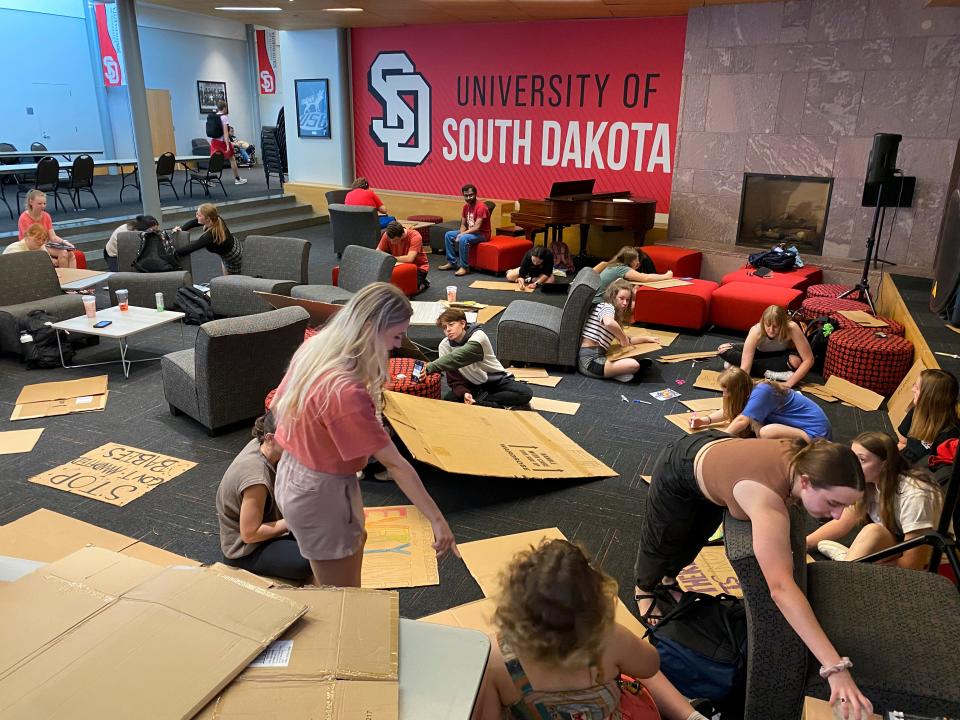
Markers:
point(329, 427)
point(754, 479)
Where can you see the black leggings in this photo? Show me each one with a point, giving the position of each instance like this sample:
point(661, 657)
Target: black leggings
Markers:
point(504, 393)
point(777, 361)
point(279, 557)
point(678, 520)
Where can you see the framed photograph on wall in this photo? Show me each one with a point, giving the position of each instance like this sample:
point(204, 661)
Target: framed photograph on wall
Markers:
point(313, 108)
point(210, 93)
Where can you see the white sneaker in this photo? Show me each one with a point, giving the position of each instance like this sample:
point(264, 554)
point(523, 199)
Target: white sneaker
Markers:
point(778, 376)
point(833, 550)
point(240, 181)
point(625, 378)
point(383, 476)
point(726, 365)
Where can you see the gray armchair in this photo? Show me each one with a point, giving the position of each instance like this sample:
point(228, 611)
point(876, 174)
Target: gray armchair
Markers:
point(538, 333)
point(270, 264)
point(336, 197)
point(354, 225)
point(901, 629)
point(234, 364)
point(143, 287)
point(359, 267)
point(29, 282)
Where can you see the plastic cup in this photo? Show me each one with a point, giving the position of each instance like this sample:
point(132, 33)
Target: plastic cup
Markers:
point(451, 293)
point(90, 307)
point(122, 300)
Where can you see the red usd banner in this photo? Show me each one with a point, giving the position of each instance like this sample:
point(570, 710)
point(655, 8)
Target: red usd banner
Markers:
point(108, 38)
point(266, 60)
point(515, 107)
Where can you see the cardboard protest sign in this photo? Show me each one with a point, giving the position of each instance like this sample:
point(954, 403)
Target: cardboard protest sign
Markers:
point(61, 398)
point(399, 549)
point(542, 381)
point(854, 394)
point(522, 373)
point(710, 573)
point(618, 352)
point(863, 319)
point(680, 357)
point(708, 380)
point(662, 284)
point(18, 441)
point(902, 398)
point(113, 473)
point(499, 285)
point(663, 337)
point(704, 404)
point(682, 421)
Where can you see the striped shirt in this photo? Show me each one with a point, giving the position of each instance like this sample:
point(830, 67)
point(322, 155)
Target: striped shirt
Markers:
point(594, 328)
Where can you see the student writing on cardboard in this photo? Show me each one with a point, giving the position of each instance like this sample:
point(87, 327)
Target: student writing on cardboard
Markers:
point(775, 349)
point(604, 325)
point(536, 269)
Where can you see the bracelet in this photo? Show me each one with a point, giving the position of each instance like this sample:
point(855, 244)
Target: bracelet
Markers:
point(844, 664)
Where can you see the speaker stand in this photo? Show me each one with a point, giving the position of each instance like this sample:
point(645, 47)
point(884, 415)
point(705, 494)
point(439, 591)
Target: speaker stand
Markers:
point(863, 285)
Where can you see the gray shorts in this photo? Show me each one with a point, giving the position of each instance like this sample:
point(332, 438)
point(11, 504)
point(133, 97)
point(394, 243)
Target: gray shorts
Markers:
point(324, 512)
point(591, 360)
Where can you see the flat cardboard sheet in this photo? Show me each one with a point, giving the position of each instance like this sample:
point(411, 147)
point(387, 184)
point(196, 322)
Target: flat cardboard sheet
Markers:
point(556, 406)
point(476, 615)
point(320, 312)
point(662, 284)
point(863, 319)
point(853, 394)
point(710, 573)
point(100, 635)
point(617, 352)
point(707, 380)
point(817, 390)
point(61, 398)
point(46, 536)
point(113, 473)
point(488, 313)
point(814, 709)
point(682, 421)
point(663, 337)
point(681, 357)
point(18, 441)
point(498, 285)
point(542, 381)
point(487, 442)
point(902, 398)
point(399, 549)
point(704, 405)
point(339, 662)
point(522, 373)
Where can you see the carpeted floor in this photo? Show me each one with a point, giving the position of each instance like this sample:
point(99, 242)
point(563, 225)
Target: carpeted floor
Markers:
point(604, 515)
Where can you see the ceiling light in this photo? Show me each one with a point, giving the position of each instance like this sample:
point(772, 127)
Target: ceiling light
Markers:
point(343, 9)
point(249, 9)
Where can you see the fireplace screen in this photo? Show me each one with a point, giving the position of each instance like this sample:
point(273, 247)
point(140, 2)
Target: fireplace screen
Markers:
point(784, 209)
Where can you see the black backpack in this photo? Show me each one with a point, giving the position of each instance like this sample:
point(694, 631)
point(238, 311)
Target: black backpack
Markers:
point(157, 252)
point(817, 333)
point(214, 126)
point(780, 261)
point(195, 306)
point(41, 351)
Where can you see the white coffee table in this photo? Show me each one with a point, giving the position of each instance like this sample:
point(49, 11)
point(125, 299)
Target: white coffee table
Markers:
point(123, 325)
point(426, 313)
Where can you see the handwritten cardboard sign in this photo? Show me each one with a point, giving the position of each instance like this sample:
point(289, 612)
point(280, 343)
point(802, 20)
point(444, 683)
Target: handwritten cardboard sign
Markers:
point(710, 573)
point(113, 473)
point(399, 550)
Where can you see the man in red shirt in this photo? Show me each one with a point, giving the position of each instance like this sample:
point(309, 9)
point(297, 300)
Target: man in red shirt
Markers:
point(474, 228)
point(407, 247)
point(361, 194)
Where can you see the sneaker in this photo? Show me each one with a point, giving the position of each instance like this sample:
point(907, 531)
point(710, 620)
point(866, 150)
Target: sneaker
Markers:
point(447, 266)
point(833, 550)
point(240, 181)
point(625, 378)
point(382, 476)
point(778, 376)
point(461, 272)
point(726, 365)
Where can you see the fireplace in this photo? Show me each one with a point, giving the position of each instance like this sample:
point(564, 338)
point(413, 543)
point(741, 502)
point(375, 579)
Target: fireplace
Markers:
point(788, 209)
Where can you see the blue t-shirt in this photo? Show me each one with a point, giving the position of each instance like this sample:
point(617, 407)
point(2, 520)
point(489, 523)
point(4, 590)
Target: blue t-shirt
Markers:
point(794, 409)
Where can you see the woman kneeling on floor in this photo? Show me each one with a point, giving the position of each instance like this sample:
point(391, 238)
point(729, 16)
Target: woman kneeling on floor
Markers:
point(769, 409)
point(701, 475)
point(900, 503)
point(604, 325)
point(775, 349)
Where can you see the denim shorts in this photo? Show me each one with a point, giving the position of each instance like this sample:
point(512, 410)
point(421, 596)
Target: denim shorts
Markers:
point(591, 360)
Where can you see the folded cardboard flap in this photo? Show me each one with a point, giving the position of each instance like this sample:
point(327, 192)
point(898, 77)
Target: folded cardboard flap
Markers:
point(857, 396)
point(46, 392)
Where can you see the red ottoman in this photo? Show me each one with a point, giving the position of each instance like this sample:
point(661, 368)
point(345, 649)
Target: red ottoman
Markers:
point(876, 363)
point(842, 323)
point(404, 276)
point(830, 291)
point(432, 219)
point(683, 261)
point(799, 279)
point(499, 254)
point(686, 306)
point(739, 305)
point(814, 307)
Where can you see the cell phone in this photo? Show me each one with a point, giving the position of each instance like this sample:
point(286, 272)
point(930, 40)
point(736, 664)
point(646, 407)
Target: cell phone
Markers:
point(103, 323)
point(418, 367)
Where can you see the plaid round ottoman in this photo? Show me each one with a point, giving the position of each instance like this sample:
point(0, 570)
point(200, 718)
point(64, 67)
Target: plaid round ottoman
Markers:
point(434, 219)
point(892, 328)
point(814, 307)
point(863, 358)
point(830, 291)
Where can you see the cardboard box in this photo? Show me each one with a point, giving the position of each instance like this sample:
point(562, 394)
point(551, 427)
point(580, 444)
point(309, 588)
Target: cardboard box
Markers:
point(61, 398)
point(100, 635)
point(487, 442)
point(814, 709)
point(339, 662)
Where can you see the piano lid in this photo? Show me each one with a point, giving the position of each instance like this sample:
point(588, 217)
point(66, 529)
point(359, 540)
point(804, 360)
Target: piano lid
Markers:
point(566, 188)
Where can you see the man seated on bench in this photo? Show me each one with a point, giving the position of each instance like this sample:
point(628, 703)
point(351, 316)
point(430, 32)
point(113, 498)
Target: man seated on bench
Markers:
point(474, 228)
point(406, 245)
point(474, 374)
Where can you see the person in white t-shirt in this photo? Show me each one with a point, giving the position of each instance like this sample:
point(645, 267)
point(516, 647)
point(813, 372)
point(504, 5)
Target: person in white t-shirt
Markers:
point(138, 224)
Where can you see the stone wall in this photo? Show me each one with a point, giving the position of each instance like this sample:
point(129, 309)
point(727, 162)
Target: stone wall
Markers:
point(799, 88)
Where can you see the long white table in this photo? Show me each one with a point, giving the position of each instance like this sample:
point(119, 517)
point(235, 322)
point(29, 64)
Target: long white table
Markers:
point(36, 153)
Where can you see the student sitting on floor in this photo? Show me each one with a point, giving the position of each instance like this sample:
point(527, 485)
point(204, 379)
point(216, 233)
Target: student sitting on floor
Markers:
point(407, 247)
point(775, 349)
point(253, 536)
point(626, 265)
point(535, 269)
point(474, 374)
point(900, 503)
point(604, 325)
point(769, 409)
point(930, 423)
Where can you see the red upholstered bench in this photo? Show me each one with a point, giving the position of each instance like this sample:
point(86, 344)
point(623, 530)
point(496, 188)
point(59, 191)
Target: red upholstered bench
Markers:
point(800, 278)
point(738, 305)
point(404, 276)
point(686, 306)
point(683, 261)
point(863, 358)
point(499, 254)
point(814, 307)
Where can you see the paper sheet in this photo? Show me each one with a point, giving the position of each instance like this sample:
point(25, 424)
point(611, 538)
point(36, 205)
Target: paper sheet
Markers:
point(398, 552)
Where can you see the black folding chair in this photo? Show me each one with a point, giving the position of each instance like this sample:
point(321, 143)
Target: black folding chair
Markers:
point(207, 177)
point(166, 165)
point(81, 178)
point(47, 180)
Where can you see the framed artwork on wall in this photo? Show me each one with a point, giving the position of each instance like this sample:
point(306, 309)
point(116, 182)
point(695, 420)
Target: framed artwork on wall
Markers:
point(209, 93)
point(313, 108)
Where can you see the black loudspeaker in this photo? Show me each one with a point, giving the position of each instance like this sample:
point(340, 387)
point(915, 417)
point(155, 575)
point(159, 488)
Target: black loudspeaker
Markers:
point(898, 192)
point(883, 157)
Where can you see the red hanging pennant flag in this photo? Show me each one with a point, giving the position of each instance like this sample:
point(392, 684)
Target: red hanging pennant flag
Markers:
point(266, 76)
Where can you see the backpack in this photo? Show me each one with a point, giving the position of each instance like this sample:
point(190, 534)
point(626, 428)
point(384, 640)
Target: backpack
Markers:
point(702, 643)
point(214, 126)
point(781, 261)
point(646, 263)
point(157, 253)
point(41, 350)
point(817, 333)
point(195, 306)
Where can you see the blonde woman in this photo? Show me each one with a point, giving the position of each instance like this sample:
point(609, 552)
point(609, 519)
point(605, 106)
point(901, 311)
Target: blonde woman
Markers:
point(931, 421)
point(216, 238)
point(625, 266)
point(775, 349)
point(768, 408)
point(328, 425)
point(60, 250)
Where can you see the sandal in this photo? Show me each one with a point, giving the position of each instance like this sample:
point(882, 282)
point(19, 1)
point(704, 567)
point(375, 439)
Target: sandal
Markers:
point(650, 617)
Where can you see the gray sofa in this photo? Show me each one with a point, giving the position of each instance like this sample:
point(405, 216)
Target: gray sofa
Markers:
point(234, 364)
point(143, 287)
point(28, 282)
point(353, 225)
point(270, 264)
point(359, 267)
point(538, 333)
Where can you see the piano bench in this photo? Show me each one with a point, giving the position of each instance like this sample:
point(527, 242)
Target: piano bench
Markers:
point(738, 305)
point(686, 306)
point(799, 279)
point(683, 261)
point(499, 254)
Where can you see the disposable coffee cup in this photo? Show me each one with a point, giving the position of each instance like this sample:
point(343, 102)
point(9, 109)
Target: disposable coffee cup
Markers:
point(451, 293)
point(90, 307)
point(122, 300)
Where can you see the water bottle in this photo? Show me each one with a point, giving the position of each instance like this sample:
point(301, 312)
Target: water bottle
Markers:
point(159, 297)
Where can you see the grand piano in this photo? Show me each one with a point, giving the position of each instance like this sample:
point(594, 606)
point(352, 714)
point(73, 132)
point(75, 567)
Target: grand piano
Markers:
point(575, 203)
